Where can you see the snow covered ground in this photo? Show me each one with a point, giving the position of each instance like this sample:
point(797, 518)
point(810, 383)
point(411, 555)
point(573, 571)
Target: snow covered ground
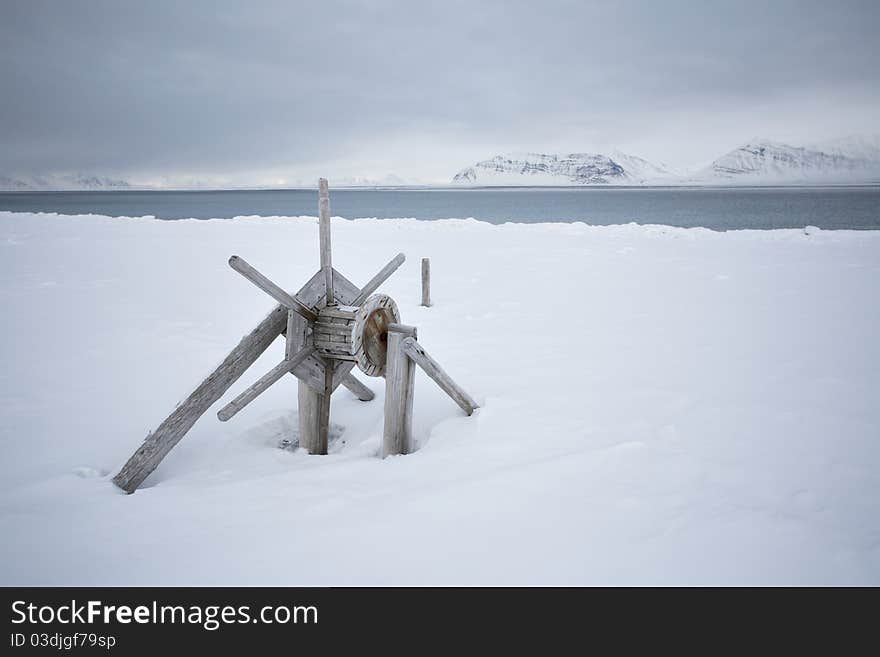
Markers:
point(660, 406)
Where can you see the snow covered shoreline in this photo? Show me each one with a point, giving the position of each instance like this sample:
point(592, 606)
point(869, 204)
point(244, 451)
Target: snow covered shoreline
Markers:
point(707, 415)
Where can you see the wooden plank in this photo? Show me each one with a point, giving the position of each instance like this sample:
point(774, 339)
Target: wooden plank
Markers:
point(324, 232)
point(327, 332)
point(360, 390)
point(399, 382)
point(161, 441)
point(242, 267)
point(293, 320)
point(334, 329)
point(378, 279)
point(262, 384)
point(426, 282)
point(337, 312)
point(417, 353)
point(335, 355)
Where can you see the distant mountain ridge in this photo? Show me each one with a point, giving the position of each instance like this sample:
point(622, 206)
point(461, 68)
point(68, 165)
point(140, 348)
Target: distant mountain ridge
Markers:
point(62, 182)
point(87, 182)
point(767, 161)
point(570, 169)
point(761, 161)
point(852, 160)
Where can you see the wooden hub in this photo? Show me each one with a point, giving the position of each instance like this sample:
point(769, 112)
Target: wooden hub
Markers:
point(359, 335)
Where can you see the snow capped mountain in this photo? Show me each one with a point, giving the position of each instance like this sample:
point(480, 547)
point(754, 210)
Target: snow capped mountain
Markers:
point(865, 148)
point(759, 162)
point(62, 182)
point(641, 170)
point(764, 161)
point(571, 169)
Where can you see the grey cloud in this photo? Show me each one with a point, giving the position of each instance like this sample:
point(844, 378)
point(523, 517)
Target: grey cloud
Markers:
point(222, 88)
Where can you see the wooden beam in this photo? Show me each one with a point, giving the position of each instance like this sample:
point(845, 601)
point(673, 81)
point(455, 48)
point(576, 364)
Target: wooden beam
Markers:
point(161, 441)
point(324, 235)
point(415, 351)
point(293, 320)
point(309, 404)
point(355, 385)
point(426, 282)
point(324, 410)
point(262, 384)
point(378, 279)
point(242, 267)
point(399, 382)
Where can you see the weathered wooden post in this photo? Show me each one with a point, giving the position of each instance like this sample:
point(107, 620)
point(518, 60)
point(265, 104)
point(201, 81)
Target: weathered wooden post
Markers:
point(399, 384)
point(314, 406)
point(324, 237)
point(426, 282)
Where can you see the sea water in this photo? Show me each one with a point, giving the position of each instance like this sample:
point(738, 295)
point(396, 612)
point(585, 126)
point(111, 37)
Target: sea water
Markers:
point(719, 208)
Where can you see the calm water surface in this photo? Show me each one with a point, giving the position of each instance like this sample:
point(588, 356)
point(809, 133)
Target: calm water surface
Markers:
point(717, 208)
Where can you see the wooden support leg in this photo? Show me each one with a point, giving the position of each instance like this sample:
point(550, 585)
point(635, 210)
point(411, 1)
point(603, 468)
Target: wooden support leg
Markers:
point(324, 413)
point(399, 382)
point(360, 391)
point(314, 413)
point(309, 403)
point(157, 445)
point(432, 368)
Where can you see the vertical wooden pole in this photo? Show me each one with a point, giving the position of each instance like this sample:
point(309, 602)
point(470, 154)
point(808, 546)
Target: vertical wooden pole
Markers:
point(399, 381)
point(324, 413)
point(309, 403)
point(426, 282)
point(324, 232)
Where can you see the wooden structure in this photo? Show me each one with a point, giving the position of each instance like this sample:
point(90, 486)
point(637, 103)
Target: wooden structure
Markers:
point(330, 325)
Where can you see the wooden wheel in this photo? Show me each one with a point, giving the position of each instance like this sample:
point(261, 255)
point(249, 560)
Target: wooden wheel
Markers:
point(370, 334)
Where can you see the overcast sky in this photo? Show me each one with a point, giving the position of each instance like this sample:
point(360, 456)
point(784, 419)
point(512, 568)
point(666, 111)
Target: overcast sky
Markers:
point(264, 92)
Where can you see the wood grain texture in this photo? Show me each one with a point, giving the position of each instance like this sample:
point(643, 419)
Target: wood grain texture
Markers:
point(432, 368)
point(368, 339)
point(309, 404)
point(291, 328)
point(399, 384)
point(332, 333)
point(360, 390)
point(324, 410)
point(161, 441)
point(324, 238)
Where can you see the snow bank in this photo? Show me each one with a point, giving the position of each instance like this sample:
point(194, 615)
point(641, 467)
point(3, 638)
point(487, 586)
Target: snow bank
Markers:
point(660, 406)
